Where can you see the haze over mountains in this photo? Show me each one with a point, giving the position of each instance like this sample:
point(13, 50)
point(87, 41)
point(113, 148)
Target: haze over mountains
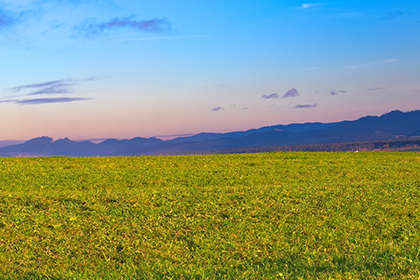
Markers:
point(392, 125)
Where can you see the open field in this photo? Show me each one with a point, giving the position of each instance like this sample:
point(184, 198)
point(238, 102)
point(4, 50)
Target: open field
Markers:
point(247, 216)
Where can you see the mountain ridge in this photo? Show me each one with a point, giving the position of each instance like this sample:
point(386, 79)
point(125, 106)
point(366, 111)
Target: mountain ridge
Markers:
point(392, 125)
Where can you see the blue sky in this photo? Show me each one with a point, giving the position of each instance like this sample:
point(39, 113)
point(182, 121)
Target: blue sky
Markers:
point(121, 69)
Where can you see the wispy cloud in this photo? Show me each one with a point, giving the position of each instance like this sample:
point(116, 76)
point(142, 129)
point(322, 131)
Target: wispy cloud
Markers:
point(34, 101)
point(291, 93)
point(332, 92)
point(91, 29)
point(303, 106)
point(51, 87)
point(385, 61)
point(51, 100)
point(52, 90)
point(215, 109)
point(310, 5)
point(270, 96)
point(8, 100)
point(375, 88)
point(56, 87)
point(51, 84)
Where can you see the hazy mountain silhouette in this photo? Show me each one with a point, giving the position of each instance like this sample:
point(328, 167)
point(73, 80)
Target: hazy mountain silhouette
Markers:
point(392, 125)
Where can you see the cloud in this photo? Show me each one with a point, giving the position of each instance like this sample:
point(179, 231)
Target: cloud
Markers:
point(332, 92)
point(52, 90)
point(52, 87)
point(8, 101)
point(215, 109)
point(310, 5)
point(373, 63)
point(64, 86)
point(376, 88)
point(291, 93)
point(270, 96)
point(397, 14)
point(51, 100)
point(57, 83)
point(90, 29)
point(302, 106)
point(45, 100)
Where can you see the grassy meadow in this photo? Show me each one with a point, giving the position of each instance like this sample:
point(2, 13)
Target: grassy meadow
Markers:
point(247, 216)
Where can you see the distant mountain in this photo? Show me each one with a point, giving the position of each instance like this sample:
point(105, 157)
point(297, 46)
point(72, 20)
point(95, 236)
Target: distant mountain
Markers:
point(45, 146)
point(114, 147)
point(5, 143)
point(285, 128)
point(392, 125)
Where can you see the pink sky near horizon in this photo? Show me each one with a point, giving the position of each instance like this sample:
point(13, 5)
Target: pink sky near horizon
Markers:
point(159, 126)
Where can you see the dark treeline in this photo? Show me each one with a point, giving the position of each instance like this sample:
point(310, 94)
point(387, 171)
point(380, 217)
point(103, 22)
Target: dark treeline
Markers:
point(384, 145)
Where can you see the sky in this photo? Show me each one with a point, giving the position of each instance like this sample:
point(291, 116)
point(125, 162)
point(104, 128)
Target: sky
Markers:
point(86, 69)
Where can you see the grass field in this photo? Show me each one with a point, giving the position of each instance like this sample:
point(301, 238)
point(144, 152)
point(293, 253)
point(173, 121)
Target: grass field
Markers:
point(248, 216)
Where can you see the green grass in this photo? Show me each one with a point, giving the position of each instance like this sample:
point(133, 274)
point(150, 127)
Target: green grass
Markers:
point(249, 216)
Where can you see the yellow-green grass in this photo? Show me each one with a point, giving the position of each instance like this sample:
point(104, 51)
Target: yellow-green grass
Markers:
point(249, 216)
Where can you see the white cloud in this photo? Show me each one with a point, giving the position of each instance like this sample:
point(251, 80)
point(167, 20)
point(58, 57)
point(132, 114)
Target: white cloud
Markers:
point(310, 5)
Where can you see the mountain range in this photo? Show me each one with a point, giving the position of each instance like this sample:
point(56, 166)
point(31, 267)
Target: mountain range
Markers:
point(392, 125)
